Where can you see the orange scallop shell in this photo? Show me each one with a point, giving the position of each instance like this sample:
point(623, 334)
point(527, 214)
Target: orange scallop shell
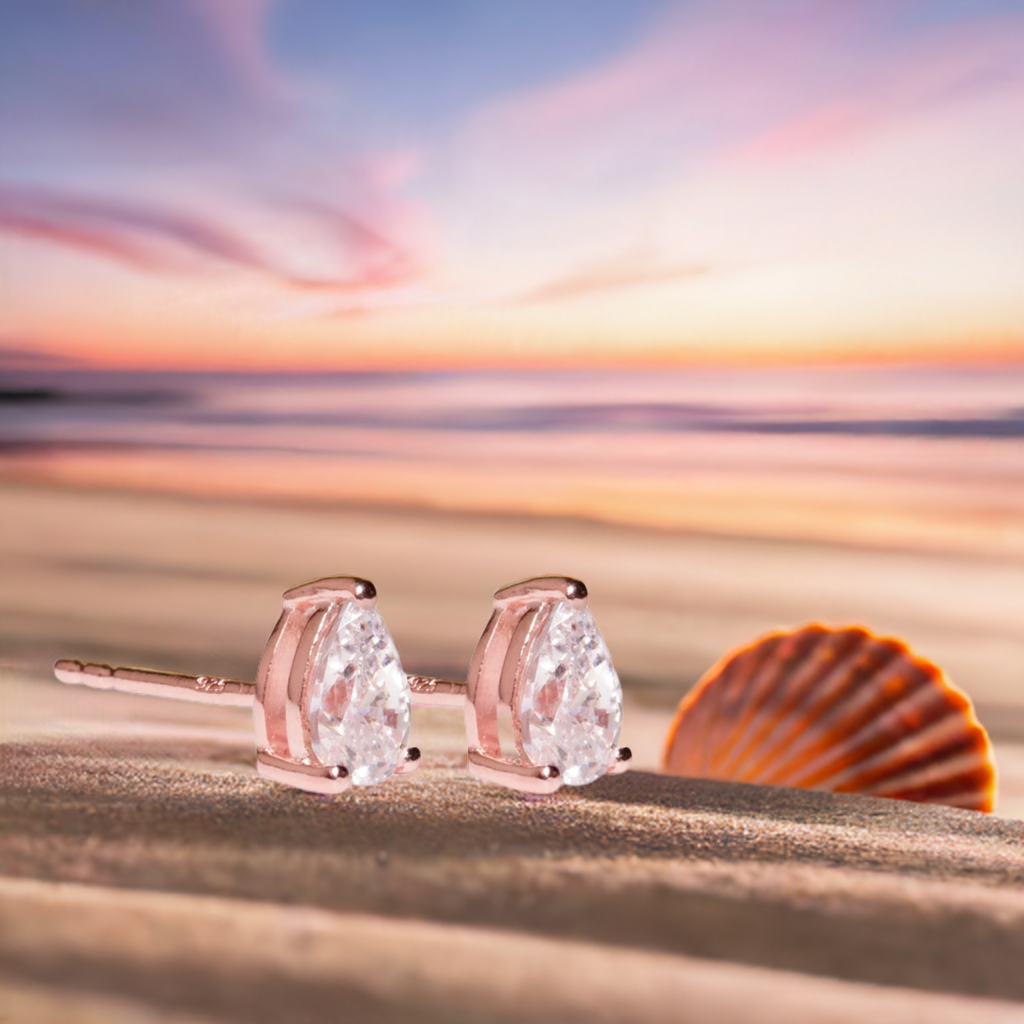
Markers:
point(839, 710)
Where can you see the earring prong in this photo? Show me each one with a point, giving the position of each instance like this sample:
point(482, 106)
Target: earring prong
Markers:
point(526, 778)
point(331, 589)
point(410, 762)
point(623, 759)
point(313, 778)
point(543, 588)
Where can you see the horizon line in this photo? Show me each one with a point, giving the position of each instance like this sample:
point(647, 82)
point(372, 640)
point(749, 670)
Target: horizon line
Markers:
point(21, 358)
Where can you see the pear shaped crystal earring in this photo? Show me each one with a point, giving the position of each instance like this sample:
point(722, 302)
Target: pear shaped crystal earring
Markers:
point(543, 661)
point(331, 704)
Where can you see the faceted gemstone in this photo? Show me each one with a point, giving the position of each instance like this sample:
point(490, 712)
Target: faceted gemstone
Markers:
point(570, 710)
point(359, 698)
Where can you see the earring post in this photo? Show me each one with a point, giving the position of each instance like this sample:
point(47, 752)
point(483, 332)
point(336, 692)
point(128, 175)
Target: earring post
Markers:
point(151, 682)
point(426, 690)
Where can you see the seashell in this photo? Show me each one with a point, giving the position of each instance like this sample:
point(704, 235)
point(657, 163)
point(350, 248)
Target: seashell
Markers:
point(834, 709)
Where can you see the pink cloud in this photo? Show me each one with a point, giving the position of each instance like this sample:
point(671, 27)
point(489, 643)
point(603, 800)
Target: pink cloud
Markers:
point(382, 261)
point(157, 239)
point(758, 81)
point(703, 70)
point(146, 237)
point(614, 275)
point(934, 74)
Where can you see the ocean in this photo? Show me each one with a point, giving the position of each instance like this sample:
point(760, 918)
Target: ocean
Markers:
point(904, 456)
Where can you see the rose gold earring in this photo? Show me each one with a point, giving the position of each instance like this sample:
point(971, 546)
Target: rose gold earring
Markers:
point(330, 702)
point(543, 662)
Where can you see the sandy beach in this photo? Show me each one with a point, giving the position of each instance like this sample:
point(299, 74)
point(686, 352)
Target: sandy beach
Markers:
point(139, 852)
point(147, 874)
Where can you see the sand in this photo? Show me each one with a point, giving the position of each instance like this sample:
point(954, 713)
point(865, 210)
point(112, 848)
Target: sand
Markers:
point(146, 863)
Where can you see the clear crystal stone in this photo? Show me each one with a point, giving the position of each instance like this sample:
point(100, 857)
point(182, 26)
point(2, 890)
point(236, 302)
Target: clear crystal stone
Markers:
point(570, 703)
point(359, 699)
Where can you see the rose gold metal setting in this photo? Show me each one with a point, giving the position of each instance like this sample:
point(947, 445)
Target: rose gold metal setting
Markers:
point(521, 611)
point(283, 747)
point(279, 696)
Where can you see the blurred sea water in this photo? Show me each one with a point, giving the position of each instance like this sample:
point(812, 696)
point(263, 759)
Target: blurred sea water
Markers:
point(903, 456)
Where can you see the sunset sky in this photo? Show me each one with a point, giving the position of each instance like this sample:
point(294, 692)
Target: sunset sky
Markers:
point(302, 184)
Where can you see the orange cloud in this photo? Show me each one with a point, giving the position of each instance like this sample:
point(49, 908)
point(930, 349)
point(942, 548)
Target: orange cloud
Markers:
point(626, 273)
